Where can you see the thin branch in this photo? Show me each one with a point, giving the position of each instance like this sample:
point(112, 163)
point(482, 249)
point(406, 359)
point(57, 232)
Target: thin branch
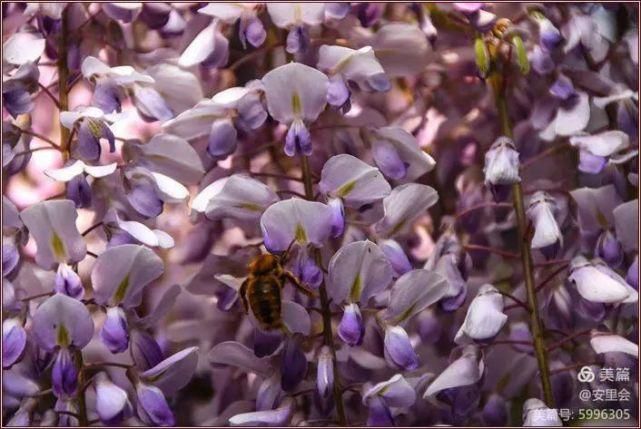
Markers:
point(570, 337)
point(276, 176)
point(40, 137)
point(91, 228)
point(496, 251)
point(550, 277)
point(516, 300)
point(53, 98)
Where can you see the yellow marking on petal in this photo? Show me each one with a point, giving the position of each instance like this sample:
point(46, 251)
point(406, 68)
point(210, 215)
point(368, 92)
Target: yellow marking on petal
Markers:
point(300, 234)
point(95, 127)
point(601, 219)
point(346, 189)
point(122, 289)
point(404, 315)
point(58, 248)
point(297, 106)
point(250, 206)
point(355, 292)
point(62, 336)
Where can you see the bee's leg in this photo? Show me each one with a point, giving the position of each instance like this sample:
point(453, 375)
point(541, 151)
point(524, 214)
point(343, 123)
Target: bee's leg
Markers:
point(294, 280)
point(243, 297)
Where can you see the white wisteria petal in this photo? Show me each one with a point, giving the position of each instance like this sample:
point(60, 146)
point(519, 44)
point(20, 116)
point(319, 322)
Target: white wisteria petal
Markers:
point(358, 271)
point(171, 190)
point(179, 88)
point(99, 171)
point(53, 225)
point(541, 212)
point(121, 75)
point(484, 318)
point(536, 413)
point(401, 48)
point(174, 372)
point(296, 318)
point(69, 118)
point(596, 285)
point(226, 12)
point(195, 122)
point(602, 144)
point(396, 392)
point(464, 371)
point(608, 343)
point(232, 353)
point(296, 220)
point(23, 48)
point(403, 205)
point(596, 207)
point(413, 292)
point(284, 15)
point(67, 173)
point(570, 121)
point(356, 182)
point(173, 156)
point(277, 417)
point(358, 66)
point(237, 196)
point(200, 48)
point(62, 321)
point(626, 223)
point(417, 162)
point(120, 274)
point(230, 97)
point(295, 91)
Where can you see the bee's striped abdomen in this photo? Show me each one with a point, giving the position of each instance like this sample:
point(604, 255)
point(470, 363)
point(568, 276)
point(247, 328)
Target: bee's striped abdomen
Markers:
point(264, 300)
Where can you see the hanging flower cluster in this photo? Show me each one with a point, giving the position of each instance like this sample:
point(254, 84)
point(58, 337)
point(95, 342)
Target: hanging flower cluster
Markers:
point(317, 214)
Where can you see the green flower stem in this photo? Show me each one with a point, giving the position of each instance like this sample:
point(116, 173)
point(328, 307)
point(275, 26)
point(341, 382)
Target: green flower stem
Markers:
point(328, 335)
point(526, 256)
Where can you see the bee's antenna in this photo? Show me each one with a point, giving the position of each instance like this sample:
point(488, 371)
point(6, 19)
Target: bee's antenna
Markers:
point(285, 254)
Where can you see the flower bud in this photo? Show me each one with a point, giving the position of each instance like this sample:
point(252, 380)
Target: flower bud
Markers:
point(68, 282)
point(389, 160)
point(222, 138)
point(609, 249)
point(521, 55)
point(153, 407)
point(550, 36)
point(337, 92)
point(325, 374)
point(79, 191)
point(482, 56)
point(502, 163)
point(268, 393)
point(298, 139)
point(495, 411)
point(396, 256)
point(64, 375)
point(547, 235)
point(297, 40)
point(115, 331)
point(378, 413)
point(252, 31)
point(145, 351)
point(351, 329)
point(398, 349)
point(14, 340)
point(338, 218)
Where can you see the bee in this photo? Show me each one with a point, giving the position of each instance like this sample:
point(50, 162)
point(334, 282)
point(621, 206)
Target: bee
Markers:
point(261, 291)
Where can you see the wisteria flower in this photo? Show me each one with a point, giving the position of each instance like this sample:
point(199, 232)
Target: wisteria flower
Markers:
point(296, 95)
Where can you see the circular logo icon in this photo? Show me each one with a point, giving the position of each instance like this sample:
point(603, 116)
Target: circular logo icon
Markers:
point(586, 375)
